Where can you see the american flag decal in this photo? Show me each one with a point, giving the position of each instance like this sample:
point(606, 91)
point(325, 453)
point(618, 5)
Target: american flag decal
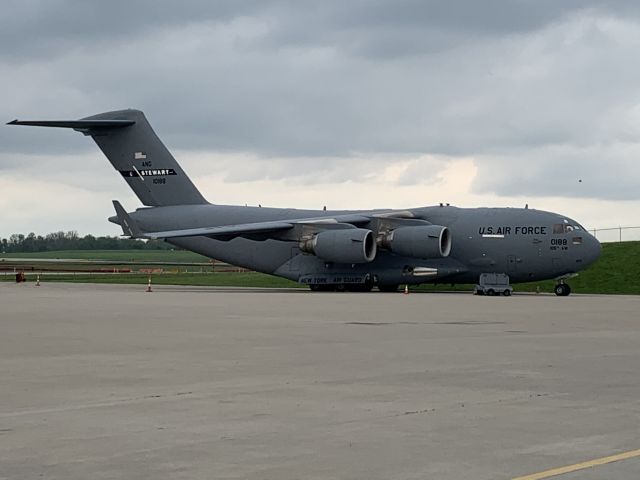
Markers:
point(139, 156)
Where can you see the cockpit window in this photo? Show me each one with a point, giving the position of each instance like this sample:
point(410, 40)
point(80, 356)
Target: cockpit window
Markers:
point(563, 228)
point(577, 240)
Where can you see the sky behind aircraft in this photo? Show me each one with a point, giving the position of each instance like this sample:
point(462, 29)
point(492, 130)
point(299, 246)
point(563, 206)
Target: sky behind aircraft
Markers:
point(357, 105)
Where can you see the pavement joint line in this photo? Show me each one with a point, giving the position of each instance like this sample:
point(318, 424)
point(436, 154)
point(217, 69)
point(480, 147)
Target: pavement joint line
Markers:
point(580, 466)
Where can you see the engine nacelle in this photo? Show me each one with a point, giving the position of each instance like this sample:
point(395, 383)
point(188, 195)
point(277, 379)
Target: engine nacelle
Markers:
point(428, 241)
point(351, 245)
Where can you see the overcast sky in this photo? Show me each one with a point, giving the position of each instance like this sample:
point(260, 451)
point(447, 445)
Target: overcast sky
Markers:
point(349, 104)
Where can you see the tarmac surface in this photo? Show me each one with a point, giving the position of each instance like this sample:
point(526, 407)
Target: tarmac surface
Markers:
point(106, 381)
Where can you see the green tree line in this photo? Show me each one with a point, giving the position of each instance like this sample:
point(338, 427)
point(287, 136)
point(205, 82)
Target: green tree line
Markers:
point(19, 242)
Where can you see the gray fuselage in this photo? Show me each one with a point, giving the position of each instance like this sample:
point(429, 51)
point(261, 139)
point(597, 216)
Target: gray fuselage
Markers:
point(526, 244)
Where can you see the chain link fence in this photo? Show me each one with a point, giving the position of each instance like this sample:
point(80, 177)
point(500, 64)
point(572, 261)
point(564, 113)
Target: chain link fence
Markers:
point(616, 234)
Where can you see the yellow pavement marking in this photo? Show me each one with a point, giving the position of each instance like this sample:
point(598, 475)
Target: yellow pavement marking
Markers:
point(580, 466)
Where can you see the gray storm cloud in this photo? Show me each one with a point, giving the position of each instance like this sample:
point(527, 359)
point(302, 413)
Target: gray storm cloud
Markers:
point(539, 93)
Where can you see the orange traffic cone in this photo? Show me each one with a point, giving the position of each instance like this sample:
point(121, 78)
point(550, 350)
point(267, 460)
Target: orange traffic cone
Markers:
point(149, 285)
point(406, 289)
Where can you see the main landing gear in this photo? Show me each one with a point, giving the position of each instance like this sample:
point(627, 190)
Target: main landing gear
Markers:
point(388, 288)
point(562, 289)
point(341, 287)
point(357, 287)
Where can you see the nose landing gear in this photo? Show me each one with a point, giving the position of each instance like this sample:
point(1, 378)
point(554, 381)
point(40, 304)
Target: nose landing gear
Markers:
point(562, 289)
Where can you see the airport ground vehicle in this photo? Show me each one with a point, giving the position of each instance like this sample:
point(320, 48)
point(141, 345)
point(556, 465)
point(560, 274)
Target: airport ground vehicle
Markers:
point(493, 284)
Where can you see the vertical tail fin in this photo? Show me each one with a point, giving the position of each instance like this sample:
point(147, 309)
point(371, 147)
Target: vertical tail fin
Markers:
point(144, 162)
point(133, 148)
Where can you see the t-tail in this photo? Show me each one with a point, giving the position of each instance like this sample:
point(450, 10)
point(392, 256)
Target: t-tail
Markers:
point(136, 152)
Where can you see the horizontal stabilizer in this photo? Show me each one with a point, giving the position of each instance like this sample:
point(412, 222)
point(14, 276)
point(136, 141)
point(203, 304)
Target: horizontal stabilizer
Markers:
point(77, 124)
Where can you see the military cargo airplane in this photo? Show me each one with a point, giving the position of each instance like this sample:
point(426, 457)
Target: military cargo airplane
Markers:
point(332, 250)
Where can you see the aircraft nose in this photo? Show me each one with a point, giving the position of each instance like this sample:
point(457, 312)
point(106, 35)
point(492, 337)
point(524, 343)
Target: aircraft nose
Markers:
point(593, 250)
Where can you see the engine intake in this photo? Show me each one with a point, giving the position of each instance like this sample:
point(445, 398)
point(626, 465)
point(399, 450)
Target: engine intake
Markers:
point(429, 241)
point(351, 245)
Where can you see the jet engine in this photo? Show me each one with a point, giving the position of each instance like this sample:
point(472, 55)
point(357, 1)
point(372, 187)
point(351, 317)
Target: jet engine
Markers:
point(428, 241)
point(351, 245)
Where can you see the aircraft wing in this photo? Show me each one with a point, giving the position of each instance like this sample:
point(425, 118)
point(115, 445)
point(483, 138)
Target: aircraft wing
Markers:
point(282, 229)
point(225, 231)
point(277, 228)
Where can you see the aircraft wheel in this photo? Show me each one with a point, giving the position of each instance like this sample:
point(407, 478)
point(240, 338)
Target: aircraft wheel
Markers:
point(367, 287)
point(388, 288)
point(491, 292)
point(319, 288)
point(562, 290)
point(507, 293)
point(322, 288)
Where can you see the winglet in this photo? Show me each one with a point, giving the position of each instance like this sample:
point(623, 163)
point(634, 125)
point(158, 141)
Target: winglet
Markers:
point(129, 226)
